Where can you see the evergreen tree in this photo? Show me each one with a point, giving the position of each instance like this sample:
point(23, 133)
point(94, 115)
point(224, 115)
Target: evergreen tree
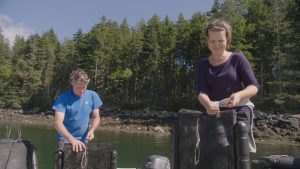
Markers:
point(215, 11)
point(151, 59)
point(152, 64)
point(5, 69)
point(167, 43)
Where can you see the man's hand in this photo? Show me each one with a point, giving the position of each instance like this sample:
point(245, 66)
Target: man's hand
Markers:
point(77, 145)
point(90, 135)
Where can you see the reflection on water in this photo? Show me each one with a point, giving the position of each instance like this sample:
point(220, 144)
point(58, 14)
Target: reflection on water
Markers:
point(133, 149)
point(269, 149)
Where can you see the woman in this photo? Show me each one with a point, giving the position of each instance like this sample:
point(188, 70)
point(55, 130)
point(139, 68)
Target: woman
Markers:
point(225, 79)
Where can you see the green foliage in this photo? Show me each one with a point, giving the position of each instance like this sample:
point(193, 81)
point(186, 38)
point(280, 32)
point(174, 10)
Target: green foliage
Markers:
point(134, 105)
point(152, 64)
point(281, 103)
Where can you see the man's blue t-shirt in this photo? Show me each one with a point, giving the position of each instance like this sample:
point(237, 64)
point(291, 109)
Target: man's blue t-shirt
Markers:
point(77, 112)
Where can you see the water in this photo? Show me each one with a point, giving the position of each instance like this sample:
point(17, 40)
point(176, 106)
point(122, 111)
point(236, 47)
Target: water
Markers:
point(269, 149)
point(133, 149)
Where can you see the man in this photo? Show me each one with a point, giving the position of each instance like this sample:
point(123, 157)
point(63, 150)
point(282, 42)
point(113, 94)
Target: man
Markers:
point(72, 112)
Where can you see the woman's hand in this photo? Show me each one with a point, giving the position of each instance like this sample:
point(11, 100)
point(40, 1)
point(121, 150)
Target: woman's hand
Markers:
point(212, 109)
point(233, 100)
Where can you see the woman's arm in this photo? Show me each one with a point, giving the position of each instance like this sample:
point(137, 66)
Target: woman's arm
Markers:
point(211, 107)
point(246, 93)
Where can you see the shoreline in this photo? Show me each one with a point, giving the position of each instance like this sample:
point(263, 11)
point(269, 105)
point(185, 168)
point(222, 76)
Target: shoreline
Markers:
point(160, 123)
point(106, 124)
point(47, 121)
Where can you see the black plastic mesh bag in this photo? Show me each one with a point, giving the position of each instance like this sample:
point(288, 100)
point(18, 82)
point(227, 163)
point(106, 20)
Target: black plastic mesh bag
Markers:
point(202, 141)
point(96, 156)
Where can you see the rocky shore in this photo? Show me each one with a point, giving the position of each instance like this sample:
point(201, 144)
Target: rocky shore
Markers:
point(283, 128)
point(140, 121)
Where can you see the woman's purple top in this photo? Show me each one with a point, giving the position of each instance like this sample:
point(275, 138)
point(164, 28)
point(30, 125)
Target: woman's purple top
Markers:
point(219, 82)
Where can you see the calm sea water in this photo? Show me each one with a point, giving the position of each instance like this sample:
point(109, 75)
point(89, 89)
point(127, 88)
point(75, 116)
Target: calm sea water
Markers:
point(133, 149)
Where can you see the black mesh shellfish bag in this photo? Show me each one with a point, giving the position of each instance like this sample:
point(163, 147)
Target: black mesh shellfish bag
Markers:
point(96, 156)
point(202, 141)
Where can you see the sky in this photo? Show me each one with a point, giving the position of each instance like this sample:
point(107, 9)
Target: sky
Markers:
point(66, 17)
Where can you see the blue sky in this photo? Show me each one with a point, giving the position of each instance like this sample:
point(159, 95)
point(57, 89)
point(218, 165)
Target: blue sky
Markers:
point(25, 17)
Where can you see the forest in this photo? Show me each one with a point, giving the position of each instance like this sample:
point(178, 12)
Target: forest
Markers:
point(152, 63)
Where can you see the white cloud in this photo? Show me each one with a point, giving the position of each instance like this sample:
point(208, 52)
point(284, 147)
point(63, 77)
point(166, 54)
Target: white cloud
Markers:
point(10, 29)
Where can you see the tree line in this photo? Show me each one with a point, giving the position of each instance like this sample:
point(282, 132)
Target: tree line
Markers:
point(152, 64)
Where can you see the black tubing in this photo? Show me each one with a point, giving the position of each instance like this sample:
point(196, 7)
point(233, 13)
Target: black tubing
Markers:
point(242, 157)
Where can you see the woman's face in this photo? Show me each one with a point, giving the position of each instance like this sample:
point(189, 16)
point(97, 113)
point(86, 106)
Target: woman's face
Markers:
point(216, 42)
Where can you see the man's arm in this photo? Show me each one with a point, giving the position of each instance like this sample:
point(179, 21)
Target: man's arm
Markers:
point(77, 145)
point(94, 124)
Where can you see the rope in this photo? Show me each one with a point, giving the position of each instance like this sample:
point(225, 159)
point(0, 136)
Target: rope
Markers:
point(8, 132)
point(19, 134)
point(84, 159)
point(197, 148)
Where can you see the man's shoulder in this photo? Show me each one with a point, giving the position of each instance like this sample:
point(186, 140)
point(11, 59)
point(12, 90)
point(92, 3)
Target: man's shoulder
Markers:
point(94, 96)
point(91, 93)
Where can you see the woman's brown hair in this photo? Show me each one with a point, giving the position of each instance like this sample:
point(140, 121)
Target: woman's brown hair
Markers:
point(219, 25)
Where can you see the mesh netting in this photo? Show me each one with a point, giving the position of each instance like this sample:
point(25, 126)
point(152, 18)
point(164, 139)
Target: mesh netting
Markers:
point(101, 156)
point(97, 156)
point(204, 142)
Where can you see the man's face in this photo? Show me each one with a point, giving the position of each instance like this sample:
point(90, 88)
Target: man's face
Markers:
point(79, 88)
